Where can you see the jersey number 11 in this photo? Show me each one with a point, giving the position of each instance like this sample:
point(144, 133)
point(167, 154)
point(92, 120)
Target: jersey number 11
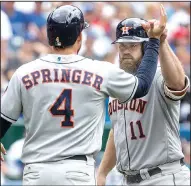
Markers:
point(139, 125)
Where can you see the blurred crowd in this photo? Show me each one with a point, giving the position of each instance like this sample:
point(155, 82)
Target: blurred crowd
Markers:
point(23, 35)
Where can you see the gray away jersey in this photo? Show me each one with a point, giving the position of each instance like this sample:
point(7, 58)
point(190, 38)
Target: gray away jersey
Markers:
point(146, 130)
point(62, 101)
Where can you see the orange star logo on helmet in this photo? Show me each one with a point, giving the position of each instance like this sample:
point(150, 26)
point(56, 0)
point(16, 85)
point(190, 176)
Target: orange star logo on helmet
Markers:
point(125, 30)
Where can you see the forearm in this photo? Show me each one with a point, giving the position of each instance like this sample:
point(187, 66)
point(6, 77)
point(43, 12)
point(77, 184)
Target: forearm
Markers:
point(171, 67)
point(109, 157)
point(147, 68)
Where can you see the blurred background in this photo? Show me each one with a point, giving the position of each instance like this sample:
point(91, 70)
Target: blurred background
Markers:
point(23, 38)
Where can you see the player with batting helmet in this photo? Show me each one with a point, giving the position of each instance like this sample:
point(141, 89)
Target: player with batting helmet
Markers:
point(62, 98)
point(144, 141)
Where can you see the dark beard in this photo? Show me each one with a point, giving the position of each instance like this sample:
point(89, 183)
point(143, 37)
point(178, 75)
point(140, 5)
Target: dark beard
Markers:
point(130, 67)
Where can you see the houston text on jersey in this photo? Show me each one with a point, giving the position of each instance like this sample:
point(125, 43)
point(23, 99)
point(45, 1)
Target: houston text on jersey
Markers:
point(62, 76)
point(137, 105)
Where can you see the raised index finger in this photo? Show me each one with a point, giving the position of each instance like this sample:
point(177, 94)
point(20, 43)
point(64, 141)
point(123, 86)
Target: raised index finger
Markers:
point(163, 16)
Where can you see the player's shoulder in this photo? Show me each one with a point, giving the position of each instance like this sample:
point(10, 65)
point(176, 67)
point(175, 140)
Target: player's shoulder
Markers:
point(99, 62)
point(28, 67)
point(105, 66)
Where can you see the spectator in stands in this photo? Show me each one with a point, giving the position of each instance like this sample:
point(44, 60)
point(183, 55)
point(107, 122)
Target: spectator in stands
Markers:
point(37, 27)
point(6, 34)
point(19, 20)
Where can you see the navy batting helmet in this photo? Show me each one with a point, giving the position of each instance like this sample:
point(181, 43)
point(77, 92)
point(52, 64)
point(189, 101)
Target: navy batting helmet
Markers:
point(131, 30)
point(64, 25)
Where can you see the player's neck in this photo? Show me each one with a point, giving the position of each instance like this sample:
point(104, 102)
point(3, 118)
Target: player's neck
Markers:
point(65, 51)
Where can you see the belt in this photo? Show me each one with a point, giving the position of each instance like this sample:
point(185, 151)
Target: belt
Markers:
point(137, 178)
point(77, 157)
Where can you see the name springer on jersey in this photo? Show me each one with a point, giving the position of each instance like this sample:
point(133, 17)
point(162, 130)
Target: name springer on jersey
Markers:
point(62, 76)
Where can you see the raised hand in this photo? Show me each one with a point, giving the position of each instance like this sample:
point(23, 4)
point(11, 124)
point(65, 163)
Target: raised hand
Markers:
point(164, 35)
point(154, 28)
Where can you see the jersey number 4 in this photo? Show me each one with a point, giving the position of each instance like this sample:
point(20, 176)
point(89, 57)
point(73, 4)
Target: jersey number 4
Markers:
point(62, 108)
point(139, 125)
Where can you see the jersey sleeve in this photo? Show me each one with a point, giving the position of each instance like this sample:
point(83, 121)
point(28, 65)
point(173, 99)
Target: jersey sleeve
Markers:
point(11, 100)
point(181, 93)
point(169, 94)
point(120, 84)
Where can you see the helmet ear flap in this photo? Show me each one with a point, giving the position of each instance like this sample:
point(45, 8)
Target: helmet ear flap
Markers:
point(144, 46)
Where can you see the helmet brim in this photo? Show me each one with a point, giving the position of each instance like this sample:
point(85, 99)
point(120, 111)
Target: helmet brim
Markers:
point(130, 39)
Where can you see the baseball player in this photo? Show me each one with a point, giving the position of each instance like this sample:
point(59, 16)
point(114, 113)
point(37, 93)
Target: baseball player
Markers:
point(62, 99)
point(144, 141)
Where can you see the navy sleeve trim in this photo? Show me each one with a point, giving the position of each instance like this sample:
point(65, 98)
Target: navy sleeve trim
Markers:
point(8, 117)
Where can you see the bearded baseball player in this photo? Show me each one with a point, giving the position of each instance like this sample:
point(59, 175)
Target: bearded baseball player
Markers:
point(144, 141)
point(62, 98)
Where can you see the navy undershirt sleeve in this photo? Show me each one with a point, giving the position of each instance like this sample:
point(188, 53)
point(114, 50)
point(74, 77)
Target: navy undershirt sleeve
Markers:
point(5, 125)
point(147, 68)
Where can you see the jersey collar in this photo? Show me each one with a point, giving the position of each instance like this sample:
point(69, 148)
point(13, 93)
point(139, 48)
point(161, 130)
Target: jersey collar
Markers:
point(56, 58)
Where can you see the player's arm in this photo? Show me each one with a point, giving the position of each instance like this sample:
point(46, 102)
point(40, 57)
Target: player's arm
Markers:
point(108, 160)
point(146, 71)
point(147, 68)
point(175, 81)
point(11, 107)
point(5, 125)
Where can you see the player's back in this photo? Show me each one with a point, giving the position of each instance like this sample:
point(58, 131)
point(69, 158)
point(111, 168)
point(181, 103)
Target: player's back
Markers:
point(63, 107)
